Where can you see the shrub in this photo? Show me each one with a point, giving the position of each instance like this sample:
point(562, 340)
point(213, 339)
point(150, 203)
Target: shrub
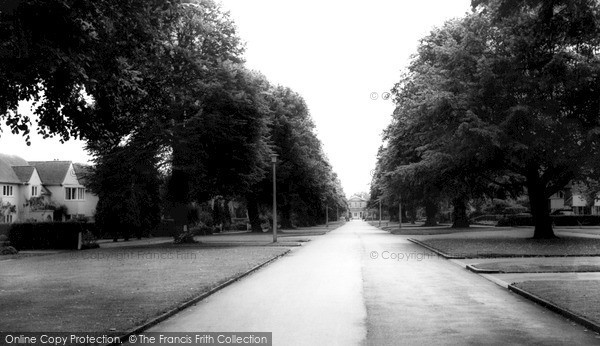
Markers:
point(201, 230)
point(239, 226)
point(185, 238)
point(4, 228)
point(88, 241)
point(46, 235)
point(166, 228)
point(8, 250)
point(576, 220)
point(558, 220)
point(515, 220)
point(205, 217)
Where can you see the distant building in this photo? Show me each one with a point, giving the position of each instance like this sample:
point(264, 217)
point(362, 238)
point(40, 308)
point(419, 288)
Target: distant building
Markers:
point(357, 207)
point(32, 190)
point(572, 200)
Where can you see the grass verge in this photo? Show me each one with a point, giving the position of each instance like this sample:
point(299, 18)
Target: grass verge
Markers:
point(515, 247)
point(114, 289)
point(579, 266)
point(581, 298)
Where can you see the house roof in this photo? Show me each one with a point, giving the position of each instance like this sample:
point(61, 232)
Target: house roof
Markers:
point(7, 174)
point(23, 172)
point(356, 198)
point(52, 172)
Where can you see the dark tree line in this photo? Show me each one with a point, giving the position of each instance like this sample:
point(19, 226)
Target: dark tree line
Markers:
point(159, 91)
point(505, 100)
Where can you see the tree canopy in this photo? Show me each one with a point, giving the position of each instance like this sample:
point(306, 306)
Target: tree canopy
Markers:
point(159, 88)
point(507, 94)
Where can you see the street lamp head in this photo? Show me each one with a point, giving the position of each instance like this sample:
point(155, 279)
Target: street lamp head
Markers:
point(274, 158)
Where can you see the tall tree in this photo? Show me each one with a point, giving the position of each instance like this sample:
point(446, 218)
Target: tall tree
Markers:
point(306, 184)
point(81, 63)
point(508, 94)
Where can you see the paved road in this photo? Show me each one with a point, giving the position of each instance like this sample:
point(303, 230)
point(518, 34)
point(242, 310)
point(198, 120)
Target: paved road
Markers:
point(359, 285)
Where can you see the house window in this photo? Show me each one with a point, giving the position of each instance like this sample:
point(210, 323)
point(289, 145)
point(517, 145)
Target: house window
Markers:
point(34, 191)
point(74, 193)
point(7, 190)
point(7, 218)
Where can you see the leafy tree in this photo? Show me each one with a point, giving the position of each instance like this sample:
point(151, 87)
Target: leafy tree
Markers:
point(83, 64)
point(539, 80)
point(509, 95)
point(126, 180)
point(306, 184)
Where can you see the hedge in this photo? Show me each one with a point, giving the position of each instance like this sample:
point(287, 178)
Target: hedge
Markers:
point(4, 228)
point(166, 228)
point(558, 220)
point(46, 235)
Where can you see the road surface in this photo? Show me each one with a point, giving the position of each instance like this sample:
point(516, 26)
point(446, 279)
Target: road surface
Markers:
point(359, 285)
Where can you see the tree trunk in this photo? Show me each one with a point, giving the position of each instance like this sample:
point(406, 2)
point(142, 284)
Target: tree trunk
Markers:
point(393, 213)
point(179, 188)
point(285, 217)
point(539, 208)
point(404, 214)
point(459, 214)
point(412, 212)
point(431, 209)
point(253, 214)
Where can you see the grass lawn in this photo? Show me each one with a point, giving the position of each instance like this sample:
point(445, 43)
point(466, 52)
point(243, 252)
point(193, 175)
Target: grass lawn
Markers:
point(579, 297)
point(515, 247)
point(419, 229)
point(120, 288)
point(578, 266)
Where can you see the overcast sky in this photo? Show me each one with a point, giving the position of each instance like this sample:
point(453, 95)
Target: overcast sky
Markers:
point(335, 54)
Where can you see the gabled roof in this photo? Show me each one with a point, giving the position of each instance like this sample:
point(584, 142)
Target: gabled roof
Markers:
point(52, 172)
point(13, 160)
point(7, 174)
point(24, 172)
point(357, 198)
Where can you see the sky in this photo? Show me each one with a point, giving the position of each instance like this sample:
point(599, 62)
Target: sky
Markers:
point(337, 54)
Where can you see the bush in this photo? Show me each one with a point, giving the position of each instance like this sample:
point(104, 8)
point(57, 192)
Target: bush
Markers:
point(205, 217)
point(557, 220)
point(166, 228)
point(202, 230)
point(8, 250)
point(576, 220)
point(4, 228)
point(515, 220)
point(185, 238)
point(239, 226)
point(88, 241)
point(46, 235)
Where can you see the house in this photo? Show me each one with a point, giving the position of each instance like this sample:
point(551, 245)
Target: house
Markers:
point(572, 199)
point(357, 207)
point(33, 190)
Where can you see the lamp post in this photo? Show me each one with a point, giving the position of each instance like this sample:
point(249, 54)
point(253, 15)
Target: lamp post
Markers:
point(380, 212)
point(400, 213)
point(274, 162)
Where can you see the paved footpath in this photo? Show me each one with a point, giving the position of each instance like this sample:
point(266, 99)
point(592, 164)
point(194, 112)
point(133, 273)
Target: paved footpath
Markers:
point(359, 285)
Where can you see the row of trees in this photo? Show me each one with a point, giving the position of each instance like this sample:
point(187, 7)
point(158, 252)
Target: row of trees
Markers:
point(159, 91)
point(501, 102)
